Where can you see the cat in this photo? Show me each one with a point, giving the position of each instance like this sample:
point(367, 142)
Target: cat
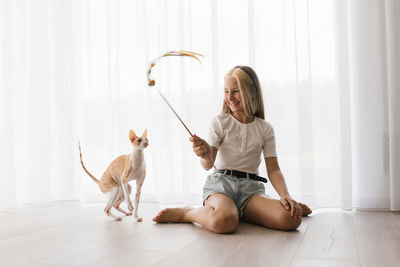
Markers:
point(115, 180)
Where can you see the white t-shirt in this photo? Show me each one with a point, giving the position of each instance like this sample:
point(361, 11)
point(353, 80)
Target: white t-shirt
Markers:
point(239, 144)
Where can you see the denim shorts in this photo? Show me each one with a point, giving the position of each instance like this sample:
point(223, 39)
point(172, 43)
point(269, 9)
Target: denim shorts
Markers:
point(240, 190)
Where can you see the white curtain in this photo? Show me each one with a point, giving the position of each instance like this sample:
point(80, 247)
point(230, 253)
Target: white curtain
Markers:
point(368, 37)
point(76, 70)
point(36, 103)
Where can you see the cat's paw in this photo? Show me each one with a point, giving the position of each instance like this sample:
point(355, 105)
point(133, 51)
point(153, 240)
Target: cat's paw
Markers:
point(118, 219)
point(129, 214)
point(138, 219)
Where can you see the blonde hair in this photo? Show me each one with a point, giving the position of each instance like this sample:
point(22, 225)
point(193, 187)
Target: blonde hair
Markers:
point(250, 91)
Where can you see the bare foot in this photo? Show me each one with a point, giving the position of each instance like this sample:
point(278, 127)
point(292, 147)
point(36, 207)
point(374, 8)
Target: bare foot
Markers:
point(171, 215)
point(306, 210)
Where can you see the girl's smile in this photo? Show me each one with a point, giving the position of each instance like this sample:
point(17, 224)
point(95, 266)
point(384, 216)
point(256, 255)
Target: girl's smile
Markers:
point(232, 94)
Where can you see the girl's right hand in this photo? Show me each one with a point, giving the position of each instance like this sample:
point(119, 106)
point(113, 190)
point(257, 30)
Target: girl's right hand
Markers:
point(200, 147)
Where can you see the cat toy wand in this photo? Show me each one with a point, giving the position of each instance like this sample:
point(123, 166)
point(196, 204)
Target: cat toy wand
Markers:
point(152, 83)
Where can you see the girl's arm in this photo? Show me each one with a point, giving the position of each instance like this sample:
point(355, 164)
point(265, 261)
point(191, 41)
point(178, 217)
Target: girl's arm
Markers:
point(276, 177)
point(278, 182)
point(203, 150)
point(208, 162)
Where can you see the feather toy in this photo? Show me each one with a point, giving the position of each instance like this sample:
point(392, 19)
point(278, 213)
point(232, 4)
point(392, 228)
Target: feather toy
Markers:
point(151, 82)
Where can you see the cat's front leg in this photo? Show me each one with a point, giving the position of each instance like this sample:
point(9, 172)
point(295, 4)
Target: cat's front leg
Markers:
point(137, 200)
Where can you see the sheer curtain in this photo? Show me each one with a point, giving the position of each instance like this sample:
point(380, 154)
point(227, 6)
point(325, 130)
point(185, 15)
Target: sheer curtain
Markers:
point(368, 66)
point(35, 103)
point(76, 70)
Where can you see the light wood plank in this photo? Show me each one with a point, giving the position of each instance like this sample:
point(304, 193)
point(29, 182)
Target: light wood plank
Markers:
point(71, 234)
point(330, 236)
point(379, 246)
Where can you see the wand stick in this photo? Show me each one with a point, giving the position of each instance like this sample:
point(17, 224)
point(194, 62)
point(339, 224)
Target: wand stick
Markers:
point(176, 114)
point(152, 83)
point(184, 125)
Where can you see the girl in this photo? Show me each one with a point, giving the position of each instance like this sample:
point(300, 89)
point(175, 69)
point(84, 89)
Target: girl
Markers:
point(234, 191)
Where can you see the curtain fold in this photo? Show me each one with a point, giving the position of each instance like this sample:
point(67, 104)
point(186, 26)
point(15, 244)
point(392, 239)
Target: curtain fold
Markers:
point(392, 21)
point(368, 54)
point(76, 71)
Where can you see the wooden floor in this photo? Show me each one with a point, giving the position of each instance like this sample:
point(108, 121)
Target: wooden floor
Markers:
point(72, 234)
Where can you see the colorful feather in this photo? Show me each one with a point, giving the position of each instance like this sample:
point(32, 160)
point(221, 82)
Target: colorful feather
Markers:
point(178, 53)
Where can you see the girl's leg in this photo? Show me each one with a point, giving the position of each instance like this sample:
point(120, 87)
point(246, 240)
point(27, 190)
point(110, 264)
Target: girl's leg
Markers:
point(219, 214)
point(269, 213)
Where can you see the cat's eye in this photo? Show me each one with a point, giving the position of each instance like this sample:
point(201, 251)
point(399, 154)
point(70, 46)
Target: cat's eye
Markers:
point(140, 140)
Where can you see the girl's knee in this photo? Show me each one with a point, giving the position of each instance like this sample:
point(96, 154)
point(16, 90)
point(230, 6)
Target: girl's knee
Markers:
point(224, 223)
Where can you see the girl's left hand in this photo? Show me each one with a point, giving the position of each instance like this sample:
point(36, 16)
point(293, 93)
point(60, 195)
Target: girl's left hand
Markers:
point(289, 203)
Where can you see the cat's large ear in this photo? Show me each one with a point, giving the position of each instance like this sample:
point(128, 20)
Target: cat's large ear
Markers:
point(132, 135)
point(144, 134)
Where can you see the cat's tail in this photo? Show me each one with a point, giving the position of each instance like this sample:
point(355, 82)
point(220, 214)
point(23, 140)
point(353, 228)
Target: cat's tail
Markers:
point(83, 165)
